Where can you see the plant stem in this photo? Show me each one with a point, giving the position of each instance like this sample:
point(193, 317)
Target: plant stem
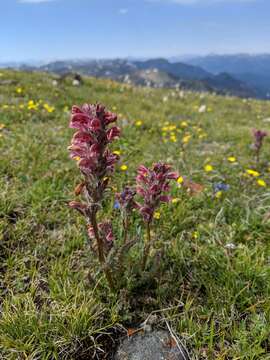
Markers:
point(125, 226)
point(101, 256)
point(258, 157)
point(146, 246)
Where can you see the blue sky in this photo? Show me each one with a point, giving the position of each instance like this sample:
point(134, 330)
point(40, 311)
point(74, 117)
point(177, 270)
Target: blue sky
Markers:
point(58, 29)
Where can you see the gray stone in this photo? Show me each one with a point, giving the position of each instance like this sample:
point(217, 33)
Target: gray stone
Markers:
point(155, 345)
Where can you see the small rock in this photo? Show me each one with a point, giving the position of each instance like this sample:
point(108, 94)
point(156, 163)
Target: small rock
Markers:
point(230, 246)
point(75, 82)
point(202, 109)
point(181, 94)
point(157, 345)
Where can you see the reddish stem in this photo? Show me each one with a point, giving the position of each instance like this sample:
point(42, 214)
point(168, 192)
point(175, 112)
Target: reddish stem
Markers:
point(146, 246)
point(101, 256)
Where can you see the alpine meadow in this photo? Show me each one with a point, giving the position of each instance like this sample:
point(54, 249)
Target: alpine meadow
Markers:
point(172, 192)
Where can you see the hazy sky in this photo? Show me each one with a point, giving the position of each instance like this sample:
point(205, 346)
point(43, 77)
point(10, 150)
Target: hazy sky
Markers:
point(55, 29)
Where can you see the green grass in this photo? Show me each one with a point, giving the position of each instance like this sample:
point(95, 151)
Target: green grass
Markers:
point(217, 300)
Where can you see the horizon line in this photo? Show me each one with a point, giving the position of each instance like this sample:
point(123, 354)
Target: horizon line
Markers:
point(86, 58)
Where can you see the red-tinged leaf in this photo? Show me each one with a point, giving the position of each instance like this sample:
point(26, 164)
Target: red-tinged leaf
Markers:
point(193, 188)
point(79, 188)
point(132, 331)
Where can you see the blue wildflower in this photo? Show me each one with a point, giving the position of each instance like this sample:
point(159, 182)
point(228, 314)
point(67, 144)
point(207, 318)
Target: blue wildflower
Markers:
point(116, 205)
point(221, 187)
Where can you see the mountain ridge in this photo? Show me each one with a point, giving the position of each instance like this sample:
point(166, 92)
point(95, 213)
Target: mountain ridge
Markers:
point(211, 73)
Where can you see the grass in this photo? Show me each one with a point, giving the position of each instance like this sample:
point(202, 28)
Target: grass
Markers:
point(214, 297)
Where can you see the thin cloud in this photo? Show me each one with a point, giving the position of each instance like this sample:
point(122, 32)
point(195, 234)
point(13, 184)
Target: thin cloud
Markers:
point(201, 2)
point(34, 1)
point(123, 11)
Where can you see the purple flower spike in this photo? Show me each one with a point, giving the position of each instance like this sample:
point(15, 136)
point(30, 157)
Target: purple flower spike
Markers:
point(258, 135)
point(89, 145)
point(152, 186)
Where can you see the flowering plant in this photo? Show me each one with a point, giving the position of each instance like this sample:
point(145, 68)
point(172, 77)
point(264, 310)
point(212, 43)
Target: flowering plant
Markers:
point(90, 148)
point(258, 136)
point(152, 186)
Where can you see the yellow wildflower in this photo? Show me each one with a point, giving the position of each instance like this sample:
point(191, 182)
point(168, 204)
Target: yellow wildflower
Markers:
point(138, 123)
point(175, 200)
point(186, 139)
point(208, 168)
point(261, 182)
point(252, 172)
point(218, 194)
point(195, 234)
point(117, 152)
point(49, 108)
point(2, 126)
point(231, 159)
point(32, 105)
point(184, 124)
point(124, 167)
point(19, 90)
point(180, 180)
point(77, 158)
point(157, 215)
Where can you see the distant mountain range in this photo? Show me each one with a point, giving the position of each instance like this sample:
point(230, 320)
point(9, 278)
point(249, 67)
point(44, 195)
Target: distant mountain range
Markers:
point(239, 75)
point(254, 70)
point(156, 73)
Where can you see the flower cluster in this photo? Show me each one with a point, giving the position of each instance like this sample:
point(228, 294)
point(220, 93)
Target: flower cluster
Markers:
point(221, 187)
point(258, 136)
point(89, 145)
point(125, 199)
point(152, 186)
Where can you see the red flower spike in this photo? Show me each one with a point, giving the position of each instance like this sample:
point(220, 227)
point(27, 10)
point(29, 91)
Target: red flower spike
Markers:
point(152, 186)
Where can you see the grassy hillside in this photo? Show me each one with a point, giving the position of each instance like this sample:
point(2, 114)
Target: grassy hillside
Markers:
point(214, 285)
